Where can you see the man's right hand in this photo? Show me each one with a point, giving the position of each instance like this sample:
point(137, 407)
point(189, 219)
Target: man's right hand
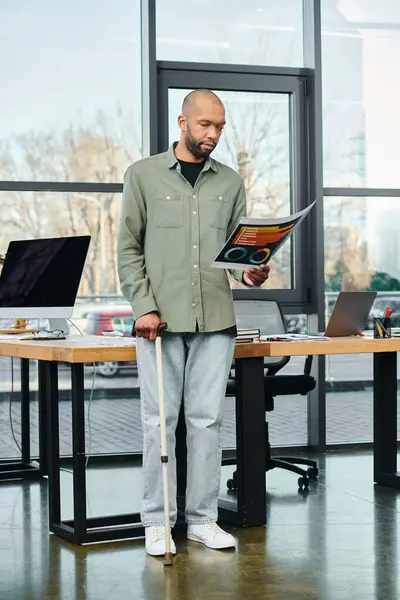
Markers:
point(146, 326)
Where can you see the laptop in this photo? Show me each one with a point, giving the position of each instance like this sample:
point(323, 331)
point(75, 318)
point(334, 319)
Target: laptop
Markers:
point(350, 314)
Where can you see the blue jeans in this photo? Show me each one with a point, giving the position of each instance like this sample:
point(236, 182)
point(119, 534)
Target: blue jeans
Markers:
point(196, 368)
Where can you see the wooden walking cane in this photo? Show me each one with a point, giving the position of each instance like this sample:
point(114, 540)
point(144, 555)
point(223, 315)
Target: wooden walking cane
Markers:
point(168, 557)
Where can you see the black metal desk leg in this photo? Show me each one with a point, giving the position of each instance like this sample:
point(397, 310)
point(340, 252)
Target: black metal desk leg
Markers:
point(78, 451)
point(251, 442)
point(44, 467)
point(51, 373)
point(25, 412)
point(23, 468)
point(385, 418)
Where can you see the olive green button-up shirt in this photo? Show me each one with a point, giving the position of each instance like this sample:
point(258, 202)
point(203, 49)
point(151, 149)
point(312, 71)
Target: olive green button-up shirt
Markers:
point(169, 235)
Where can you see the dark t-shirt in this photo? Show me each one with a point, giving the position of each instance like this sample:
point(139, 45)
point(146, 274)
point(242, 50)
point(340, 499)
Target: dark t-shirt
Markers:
point(191, 170)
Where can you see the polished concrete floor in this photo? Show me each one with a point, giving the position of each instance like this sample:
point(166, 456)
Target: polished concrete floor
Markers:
point(340, 542)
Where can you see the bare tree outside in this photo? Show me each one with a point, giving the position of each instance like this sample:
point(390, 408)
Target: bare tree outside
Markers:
point(256, 143)
point(97, 153)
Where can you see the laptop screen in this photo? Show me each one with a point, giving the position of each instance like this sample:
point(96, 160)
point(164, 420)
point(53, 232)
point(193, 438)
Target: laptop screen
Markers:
point(43, 272)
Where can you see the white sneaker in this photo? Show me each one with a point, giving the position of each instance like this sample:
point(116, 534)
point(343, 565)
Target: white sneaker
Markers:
point(211, 535)
point(155, 541)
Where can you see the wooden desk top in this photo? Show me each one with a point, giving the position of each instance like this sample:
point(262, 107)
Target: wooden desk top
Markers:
point(87, 349)
point(344, 345)
point(74, 349)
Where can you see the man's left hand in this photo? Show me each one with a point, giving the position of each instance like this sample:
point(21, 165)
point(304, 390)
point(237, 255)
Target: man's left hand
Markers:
point(256, 276)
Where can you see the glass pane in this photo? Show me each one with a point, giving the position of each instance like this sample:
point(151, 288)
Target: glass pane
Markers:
point(70, 107)
point(228, 31)
point(256, 143)
point(362, 244)
point(361, 92)
point(361, 253)
point(349, 411)
point(115, 424)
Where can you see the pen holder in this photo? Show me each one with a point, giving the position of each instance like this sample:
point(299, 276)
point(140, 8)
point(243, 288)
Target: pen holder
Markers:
point(382, 328)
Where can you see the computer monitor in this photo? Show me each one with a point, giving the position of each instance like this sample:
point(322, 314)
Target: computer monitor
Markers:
point(40, 278)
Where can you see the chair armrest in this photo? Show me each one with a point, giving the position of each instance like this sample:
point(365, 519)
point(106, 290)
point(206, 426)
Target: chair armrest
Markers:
point(271, 371)
point(268, 370)
point(308, 365)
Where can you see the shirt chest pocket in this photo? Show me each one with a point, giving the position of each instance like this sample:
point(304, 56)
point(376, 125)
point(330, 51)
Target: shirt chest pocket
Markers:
point(220, 211)
point(169, 211)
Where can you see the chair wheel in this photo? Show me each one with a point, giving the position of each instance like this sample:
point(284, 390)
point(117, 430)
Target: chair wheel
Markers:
point(231, 485)
point(303, 482)
point(312, 472)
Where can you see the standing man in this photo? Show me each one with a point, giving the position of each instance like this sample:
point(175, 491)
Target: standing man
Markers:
point(178, 209)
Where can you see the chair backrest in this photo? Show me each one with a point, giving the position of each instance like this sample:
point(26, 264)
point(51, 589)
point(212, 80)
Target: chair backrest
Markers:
point(267, 316)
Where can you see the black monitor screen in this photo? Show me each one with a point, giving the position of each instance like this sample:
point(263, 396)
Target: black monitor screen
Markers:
point(44, 272)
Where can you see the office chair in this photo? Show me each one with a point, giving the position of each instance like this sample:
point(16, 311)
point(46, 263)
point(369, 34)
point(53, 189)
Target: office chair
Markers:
point(268, 317)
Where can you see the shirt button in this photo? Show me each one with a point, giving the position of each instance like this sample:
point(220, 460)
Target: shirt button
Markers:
point(194, 195)
point(194, 212)
point(195, 246)
point(193, 304)
point(220, 197)
point(192, 282)
point(168, 197)
point(195, 266)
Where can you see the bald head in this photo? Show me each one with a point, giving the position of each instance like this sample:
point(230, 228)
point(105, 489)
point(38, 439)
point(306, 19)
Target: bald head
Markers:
point(198, 98)
point(201, 122)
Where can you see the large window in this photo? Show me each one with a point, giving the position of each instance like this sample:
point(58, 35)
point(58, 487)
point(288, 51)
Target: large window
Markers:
point(70, 89)
point(230, 31)
point(361, 92)
point(71, 112)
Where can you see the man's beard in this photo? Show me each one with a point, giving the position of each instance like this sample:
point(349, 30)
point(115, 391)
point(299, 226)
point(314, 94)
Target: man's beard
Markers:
point(195, 147)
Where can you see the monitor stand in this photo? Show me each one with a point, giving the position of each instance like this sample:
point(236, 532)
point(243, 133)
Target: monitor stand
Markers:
point(61, 324)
